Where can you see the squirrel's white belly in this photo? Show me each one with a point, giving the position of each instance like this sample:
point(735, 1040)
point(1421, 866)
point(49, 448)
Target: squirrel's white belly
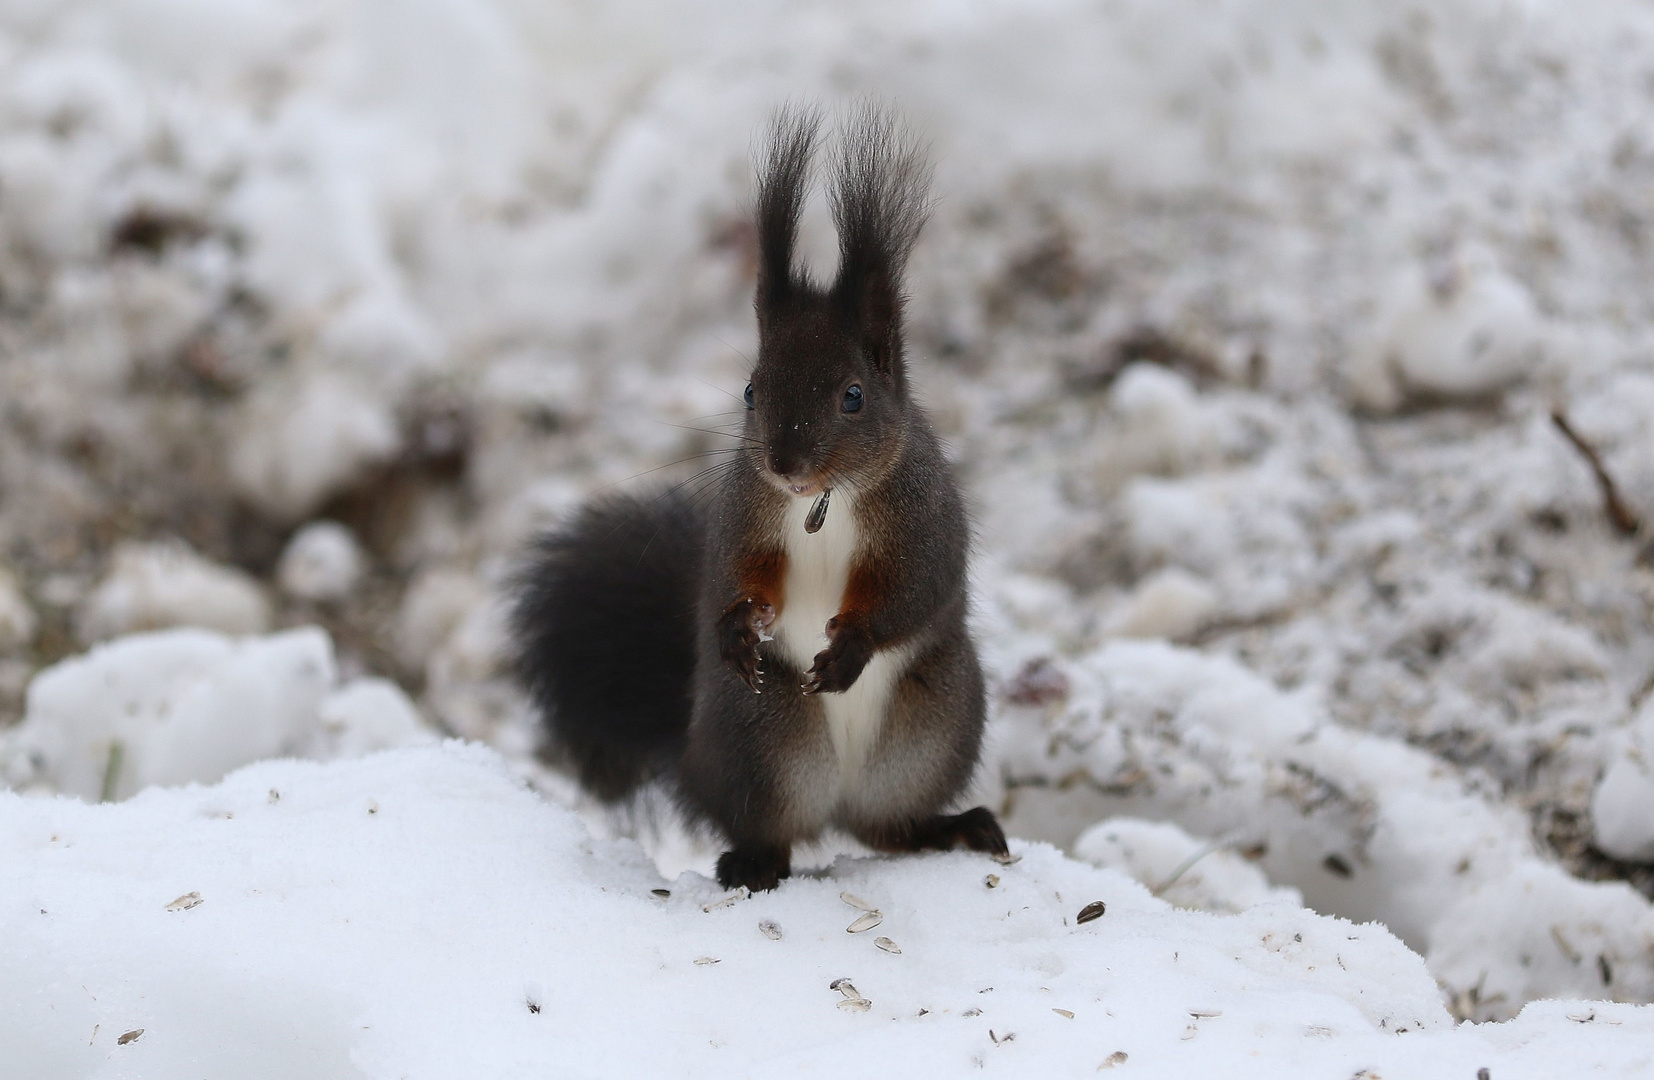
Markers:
point(818, 567)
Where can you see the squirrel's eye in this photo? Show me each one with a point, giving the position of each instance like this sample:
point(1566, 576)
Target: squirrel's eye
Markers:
point(852, 399)
point(748, 396)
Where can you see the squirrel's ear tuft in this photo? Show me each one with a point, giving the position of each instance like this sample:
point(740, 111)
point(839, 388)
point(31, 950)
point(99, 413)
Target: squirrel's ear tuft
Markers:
point(783, 185)
point(879, 201)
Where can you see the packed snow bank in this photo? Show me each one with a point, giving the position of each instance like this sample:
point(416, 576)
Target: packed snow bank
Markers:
point(1364, 826)
point(419, 913)
point(191, 705)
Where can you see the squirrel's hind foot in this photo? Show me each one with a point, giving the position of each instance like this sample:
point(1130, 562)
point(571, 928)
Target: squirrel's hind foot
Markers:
point(758, 868)
point(975, 829)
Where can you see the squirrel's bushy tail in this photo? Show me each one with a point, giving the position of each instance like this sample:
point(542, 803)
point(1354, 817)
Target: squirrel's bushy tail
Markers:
point(604, 632)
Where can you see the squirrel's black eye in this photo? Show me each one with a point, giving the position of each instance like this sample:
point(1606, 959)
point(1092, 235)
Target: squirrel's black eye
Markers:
point(748, 396)
point(852, 399)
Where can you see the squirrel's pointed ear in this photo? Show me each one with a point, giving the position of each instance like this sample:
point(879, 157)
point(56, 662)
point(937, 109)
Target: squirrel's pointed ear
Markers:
point(783, 185)
point(879, 201)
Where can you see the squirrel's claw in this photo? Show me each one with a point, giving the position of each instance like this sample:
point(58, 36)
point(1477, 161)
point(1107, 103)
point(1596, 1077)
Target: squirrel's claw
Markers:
point(739, 633)
point(839, 665)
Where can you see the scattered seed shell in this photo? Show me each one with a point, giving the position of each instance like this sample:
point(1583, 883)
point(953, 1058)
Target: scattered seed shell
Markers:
point(184, 903)
point(733, 898)
point(1093, 910)
point(887, 945)
point(1007, 860)
point(703, 961)
point(991, 881)
point(1063, 1012)
point(661, 894)
point(866, 921)
point(1117, 1058)
point(132, 1036)
point(856, 902)
point(971, 1012)
point(858, 1004)
point(1205, 1014)
point(770, 929)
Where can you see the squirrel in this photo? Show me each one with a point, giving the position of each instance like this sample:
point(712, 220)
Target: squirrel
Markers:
point(793, 657)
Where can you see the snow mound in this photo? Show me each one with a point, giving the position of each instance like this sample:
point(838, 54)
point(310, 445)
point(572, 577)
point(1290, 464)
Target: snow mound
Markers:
point(321, 562)
point(190, 705)
point(419, 913)
point(152, 586)
point(1363, 826)
point(1179, 868)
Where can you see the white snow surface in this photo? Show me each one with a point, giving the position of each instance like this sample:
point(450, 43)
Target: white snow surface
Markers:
point(419, 913)
point(1245, 322)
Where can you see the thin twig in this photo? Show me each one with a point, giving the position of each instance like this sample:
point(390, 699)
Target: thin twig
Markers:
point(112, 771)
point(1618, 513)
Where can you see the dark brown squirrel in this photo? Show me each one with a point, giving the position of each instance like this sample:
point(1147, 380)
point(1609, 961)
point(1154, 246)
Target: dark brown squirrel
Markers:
point(794, 657)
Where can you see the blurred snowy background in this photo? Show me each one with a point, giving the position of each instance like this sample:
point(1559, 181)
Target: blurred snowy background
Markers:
point(1245, 321)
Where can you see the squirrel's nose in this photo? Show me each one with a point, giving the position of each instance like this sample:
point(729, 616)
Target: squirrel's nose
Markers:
point(783, 464)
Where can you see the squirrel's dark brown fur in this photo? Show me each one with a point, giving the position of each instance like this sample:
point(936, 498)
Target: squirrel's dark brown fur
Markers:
point(787, 679)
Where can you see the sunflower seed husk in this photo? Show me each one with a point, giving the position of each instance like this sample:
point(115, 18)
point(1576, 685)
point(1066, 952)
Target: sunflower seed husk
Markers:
point(661, 894)
point(866, 921)
point(887, 945)
point(1117, 1058)
point(185, 902)
point(1007, 860)
point(991, 881)
point(845, 987)
point(856, 902)
point(858, 1004)
point(703, 961)
point(818, 513)
point(1093, 910)
point(1063, 1012)
point(770, 929)
point(735, 897)
point(132, 1036)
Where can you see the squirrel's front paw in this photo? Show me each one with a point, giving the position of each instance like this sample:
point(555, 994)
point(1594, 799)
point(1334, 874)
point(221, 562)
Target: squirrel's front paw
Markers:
point(837, 667)
point(739, 632)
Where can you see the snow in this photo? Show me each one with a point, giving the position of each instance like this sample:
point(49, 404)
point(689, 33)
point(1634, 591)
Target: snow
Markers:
point(1245, 323)
point(1179, 868)
point(420, 913)
point(191, 705)
point(158, 585)
point(321, 562)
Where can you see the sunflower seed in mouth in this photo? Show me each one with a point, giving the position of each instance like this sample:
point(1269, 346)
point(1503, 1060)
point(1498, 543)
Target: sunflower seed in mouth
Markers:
point(818, 513)
point(866, 921)
point(888, 946)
